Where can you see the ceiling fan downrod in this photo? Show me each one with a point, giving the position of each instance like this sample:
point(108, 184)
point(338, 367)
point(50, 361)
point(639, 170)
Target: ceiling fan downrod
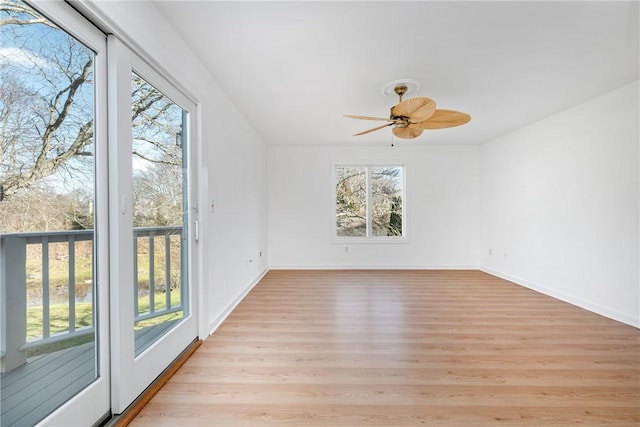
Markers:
point(400, 121)
point(400, 90)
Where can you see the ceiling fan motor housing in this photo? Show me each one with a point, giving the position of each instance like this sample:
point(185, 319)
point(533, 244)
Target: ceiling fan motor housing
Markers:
point(400, 121)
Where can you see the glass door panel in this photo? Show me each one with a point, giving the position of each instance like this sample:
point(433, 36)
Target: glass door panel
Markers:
point(159, 212)
point(51, 150)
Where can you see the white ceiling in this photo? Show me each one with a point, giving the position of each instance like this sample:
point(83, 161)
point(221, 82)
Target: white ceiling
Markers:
point(294, 68)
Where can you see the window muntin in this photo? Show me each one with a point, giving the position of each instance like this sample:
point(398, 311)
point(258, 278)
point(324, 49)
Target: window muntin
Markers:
point(369, 201)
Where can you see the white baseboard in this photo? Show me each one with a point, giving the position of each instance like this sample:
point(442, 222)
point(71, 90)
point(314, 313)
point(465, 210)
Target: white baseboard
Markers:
point(215, 324)
point(571, 299)
point(373, 267)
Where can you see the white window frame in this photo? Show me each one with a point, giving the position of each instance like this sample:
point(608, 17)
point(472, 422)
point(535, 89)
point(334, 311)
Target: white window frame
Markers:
point(369, 239)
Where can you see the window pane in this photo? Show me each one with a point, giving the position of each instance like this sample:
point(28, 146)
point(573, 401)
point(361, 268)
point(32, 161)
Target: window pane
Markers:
point(159, 210)
point(351, 201)
point(369, 201)
point(386, 201)
point(46, 214)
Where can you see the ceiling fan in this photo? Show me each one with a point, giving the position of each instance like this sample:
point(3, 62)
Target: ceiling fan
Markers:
point(409, 118)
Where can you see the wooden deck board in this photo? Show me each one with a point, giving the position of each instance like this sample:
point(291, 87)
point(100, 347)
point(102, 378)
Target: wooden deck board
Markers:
point(37, 388)
point(145, 337)
point(403, 348)
point(34, 390)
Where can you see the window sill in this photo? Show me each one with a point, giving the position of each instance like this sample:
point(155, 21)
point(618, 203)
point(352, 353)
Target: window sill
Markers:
point(369, 240)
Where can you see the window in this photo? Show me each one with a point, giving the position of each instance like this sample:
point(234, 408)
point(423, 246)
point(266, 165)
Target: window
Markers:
point(369, 201)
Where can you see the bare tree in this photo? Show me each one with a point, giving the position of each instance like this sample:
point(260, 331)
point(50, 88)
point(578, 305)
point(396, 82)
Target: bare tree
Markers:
point(53, 211)
point(157, 124)
point(157, 143)
point(383, 203)
point(158, 196)
point(46, 116)
point(46, 103)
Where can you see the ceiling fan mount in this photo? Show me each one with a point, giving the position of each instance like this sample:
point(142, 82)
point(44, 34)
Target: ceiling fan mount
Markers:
point(412, 116)
point(400, 90)
point(412, 85)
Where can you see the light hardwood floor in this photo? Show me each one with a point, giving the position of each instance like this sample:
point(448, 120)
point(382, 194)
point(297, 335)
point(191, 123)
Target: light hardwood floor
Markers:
point(404, 348)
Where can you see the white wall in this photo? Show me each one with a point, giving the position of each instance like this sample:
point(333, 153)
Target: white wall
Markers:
point(442, 204)
point(557, 204)
point(560, 197)
point(560, 205)
point(231, 160)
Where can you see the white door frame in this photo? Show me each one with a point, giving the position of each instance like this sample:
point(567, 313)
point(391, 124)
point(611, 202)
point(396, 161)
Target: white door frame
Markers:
point(131, 374)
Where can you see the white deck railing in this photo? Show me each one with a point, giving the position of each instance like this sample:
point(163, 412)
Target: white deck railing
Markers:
point(13, 287)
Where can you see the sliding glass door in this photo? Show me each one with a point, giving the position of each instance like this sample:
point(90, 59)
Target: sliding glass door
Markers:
point(53, 216)
point(153, 317)
point(97, 235)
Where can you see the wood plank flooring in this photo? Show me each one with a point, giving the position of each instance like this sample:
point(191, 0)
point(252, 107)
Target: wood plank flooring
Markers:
point(404, 348)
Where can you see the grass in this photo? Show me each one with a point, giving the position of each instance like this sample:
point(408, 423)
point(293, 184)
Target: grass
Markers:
point(58, 270)
point(59, 321)
point(159, 302)
point(58, 273)
point(58, 318)
point(58, 267)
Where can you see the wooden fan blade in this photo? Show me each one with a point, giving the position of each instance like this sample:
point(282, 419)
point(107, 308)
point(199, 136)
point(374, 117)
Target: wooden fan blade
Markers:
point(374, 129)
point(407, 133)
point(416, 109)
point(443, 119)
point(367, 118)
